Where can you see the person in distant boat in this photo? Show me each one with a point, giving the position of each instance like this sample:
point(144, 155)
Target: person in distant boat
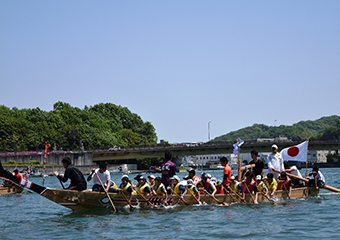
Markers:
point(226, 172)
point(249, 186)
point(18, 174)
point(78, 181)
point(261, 186)
point(101, 176)
point(126, 188)
point(142, 186)
point(275, 162)
point(259, 165)
point(285, 183)
point(294, 171)
point(159, 189)
point(168, 169)
point(151, 181)
point(318, 181)
point(271, 183)
point(208, 185)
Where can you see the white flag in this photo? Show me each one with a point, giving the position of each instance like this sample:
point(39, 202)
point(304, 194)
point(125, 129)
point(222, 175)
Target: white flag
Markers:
point(237, 145)
point(295, 153)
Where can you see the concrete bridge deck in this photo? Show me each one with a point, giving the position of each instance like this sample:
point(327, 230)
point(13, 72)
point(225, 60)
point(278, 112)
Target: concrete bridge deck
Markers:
point(187, 149)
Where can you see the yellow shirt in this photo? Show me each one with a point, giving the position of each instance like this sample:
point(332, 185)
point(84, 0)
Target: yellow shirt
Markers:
point(272, 186)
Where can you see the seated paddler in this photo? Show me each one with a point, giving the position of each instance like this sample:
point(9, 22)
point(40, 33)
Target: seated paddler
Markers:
point(271, 184)
point(143, 185)
point(101, 177)
point(159, 189)
point(261, 186)
point(249, 186)
point(177, 187)
point(208, 185)
point(235, 186)
point(78, 181)
point(285, 183)
point(192, 189)
point(126, 188)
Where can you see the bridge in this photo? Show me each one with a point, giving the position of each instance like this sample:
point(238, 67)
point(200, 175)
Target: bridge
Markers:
point(189, 149)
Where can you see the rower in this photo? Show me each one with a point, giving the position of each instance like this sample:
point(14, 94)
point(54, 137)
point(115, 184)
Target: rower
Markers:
point(74, 174)
point(261, 186)
point(143, 186)
point(285, 183)
point(208, 184)
point(294, 171)
point(159, 189)
point(17, 174)
point(318, 181)
point(192, 175)
point(177, 187)
point(151, 181)
point(101, 176)
point(271, 183)
point(249, 186)
point(192, 188)
point(126, 188)
point(235, 186)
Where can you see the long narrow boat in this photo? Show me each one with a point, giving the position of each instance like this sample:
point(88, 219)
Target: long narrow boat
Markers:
point(82, 200)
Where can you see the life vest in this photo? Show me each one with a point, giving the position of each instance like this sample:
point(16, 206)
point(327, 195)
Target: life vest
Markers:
point(196, 179)
point(113, 184)
point(271, 186)
point(247, 186)
point(191, 189)
point(207, 184)
point(159, 191)
point(141, 188)
point(260, 188)
point(19, 175)
point(284, 185)
point(234, 187)
point(177, 190)
point(220, 189)
point(125, 189)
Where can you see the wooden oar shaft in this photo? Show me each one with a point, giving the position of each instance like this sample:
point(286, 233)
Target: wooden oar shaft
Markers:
point(213, 197)
point(245, 184)
point(333, 189)
point(271, 200)
point(247, 166)
point(179, 197)
point(137, 191)
point(193, 195)
point(107, 194)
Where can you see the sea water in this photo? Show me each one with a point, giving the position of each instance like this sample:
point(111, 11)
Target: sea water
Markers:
point(31, 216)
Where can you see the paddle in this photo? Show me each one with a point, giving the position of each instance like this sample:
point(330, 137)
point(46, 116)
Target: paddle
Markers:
point(286, 190)
point(333, 189)
point(213, 197)
point(198, 202)
point(61, 183)
point(179, 197)
point(107, 194)
point(137, 191)
point(231, 195)
point(269, 199)
point(127, 200)
point(251, 195)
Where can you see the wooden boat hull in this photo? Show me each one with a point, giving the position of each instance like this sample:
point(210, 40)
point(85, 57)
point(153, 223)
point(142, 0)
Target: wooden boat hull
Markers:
point(78, 201)
point(10, 190)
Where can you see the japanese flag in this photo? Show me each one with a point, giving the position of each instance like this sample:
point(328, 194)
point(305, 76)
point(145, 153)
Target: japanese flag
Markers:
point(295, 153)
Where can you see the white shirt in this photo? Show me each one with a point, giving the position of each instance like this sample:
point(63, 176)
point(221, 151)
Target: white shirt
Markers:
point(103, 177)
point(296, 172)
point(319, 176)
point(275, 161)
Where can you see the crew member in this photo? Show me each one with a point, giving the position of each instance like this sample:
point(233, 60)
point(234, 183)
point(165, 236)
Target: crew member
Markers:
point(261, 186)
point(285, 183)
point(319, 180)
point(192, 188)
point(294, 171)
point(226, 171)
point(177, 187)
point(101, 176)
point(126, 188)
point(208, 185)
point(159, 189)
point(259, 165)
point(143, 186)
point(249, 186)
point(168, 169)
point(193, 177)
point(78, 181)
point(18, 174)
point(271, 183)
point(151, 181)
point(235, 186)
point(275, 162)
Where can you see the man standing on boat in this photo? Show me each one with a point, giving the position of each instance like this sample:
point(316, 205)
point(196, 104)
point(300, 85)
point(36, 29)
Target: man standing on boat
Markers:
point(74, 174)
point(259, 166)
point(168, 169)
point(275, 162)
point(226, 172)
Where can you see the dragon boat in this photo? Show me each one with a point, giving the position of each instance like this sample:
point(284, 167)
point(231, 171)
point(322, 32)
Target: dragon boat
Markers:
point(10, 189)
point(82, 200)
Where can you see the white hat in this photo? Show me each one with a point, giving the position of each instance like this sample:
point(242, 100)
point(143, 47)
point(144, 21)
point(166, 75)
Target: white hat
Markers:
point(258, 177)
point(151, 176)
point(275, 146)
point(232, 178)
point(175, 177)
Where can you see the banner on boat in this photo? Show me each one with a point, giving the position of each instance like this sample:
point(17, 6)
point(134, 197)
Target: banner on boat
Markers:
point(295, 153)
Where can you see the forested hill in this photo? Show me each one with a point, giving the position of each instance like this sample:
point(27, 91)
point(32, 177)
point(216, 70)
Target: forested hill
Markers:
point(300, 130)
point(68, 127)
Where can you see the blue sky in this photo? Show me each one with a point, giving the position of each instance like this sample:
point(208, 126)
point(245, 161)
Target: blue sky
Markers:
point(177, 64)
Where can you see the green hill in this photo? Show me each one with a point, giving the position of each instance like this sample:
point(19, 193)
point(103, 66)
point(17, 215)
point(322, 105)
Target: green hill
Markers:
point(298, 131)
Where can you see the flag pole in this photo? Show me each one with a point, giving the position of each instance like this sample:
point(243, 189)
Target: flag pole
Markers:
point(46, 150)
point(239, 162)
point(306, 174)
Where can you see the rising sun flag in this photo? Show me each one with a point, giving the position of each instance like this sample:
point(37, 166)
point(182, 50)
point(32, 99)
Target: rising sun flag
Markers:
point(296, 153)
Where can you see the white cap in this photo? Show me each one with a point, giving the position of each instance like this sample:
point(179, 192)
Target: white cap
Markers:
point(258, 177)
point(175, 177)
point(151, 176)
point(275, 146)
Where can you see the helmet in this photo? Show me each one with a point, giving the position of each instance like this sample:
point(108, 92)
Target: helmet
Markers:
point(204, 175)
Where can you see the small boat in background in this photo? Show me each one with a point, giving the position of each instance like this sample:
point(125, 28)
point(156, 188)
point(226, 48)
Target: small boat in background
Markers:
point(8, 188)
